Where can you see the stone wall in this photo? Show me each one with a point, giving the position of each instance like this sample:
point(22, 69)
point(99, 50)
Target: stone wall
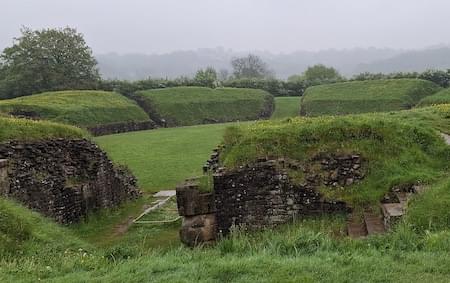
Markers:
point(4, 179)
point(198, 211)
point(116, 128)
point(268, 193)
point(63, 179)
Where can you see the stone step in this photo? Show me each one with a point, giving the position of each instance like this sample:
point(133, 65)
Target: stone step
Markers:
point(392, 212)
point(403, 197)
point(356, 229)
point(374, 223)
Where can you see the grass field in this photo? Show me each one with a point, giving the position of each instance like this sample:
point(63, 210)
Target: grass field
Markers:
point(185, 106)
point(365, 96)
point(286, 107)
point(34, 249)
point(164, 157)
point(442, 97)
point(79, 108)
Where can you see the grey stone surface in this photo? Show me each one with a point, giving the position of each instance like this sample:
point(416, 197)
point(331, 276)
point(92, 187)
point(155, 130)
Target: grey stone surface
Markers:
point(64, 179)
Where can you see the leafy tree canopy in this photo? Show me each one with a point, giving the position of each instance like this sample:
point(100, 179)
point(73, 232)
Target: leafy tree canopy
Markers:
point(250, 67)
point(207, 77)
point(45, 60)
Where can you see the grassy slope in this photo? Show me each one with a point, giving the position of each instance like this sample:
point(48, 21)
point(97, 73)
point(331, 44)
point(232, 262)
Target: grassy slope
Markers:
point(442, 97)
point(308, 251)
point(286, 107)
point(79, 108)
point(365, 96)
point(24, 129)
point(184, 106)
point(397, 152)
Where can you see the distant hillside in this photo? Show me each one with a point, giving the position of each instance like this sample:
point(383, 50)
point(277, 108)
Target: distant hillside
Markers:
point(418, 61)
point(348, 61)
point(186, 63)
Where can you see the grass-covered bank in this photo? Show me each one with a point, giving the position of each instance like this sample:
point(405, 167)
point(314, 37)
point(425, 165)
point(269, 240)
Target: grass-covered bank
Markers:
point(396, 152)
point(365, 96)
point(286, 107)
point(78, 108)
point(307, 251)
point(185, 106)
point(26, 130)
point(442, 97)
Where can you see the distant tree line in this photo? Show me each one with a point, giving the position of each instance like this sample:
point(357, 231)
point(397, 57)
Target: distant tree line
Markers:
point(59, 59)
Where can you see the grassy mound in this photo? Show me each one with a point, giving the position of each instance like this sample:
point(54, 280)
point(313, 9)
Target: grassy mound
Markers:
point(24, 129)
point(397, 152)
point(23, 232)
point(286, 107)
point(442, 97)
point(365, 96)
point(79, 108)
point(184, 106)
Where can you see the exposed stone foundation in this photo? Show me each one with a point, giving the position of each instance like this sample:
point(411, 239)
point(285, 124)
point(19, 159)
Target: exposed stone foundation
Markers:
point(63, 179)
point(265, 194)
point(116, 128)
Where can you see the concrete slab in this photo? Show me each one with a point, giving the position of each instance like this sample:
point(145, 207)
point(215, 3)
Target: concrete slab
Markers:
point(165, 194)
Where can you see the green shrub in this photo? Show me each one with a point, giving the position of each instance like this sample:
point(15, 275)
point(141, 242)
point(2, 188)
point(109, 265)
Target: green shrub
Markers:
point(79, 108)
point(183, 106)
point(365, 96)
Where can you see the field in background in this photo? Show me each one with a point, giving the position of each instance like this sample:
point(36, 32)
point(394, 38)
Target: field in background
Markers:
point(365, 96)
point(286, 107)
point(79, 108)
point(164, 157)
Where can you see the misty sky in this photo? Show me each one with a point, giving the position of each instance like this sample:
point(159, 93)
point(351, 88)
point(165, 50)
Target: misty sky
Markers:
point(159, 26)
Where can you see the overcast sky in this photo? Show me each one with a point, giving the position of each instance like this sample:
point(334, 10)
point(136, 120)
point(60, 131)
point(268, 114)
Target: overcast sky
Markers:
point(159, 26)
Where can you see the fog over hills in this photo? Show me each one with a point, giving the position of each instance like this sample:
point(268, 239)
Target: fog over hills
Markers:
point(134, 66)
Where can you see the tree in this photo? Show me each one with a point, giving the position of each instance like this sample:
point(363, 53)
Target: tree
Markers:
point(321, 74)
point(45, 60)
point(223, 75)
point(207, 77)
point(250, 67)
point(439, 77)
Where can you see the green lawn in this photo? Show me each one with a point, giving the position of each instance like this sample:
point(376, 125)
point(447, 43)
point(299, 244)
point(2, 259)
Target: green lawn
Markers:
point(365, 96)
point(80, 108)
point(164, 157)
point(286, 107)
point(186, 106)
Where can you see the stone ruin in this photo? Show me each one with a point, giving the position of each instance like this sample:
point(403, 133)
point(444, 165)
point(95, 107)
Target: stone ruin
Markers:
point(263, 194)
point(63, 179)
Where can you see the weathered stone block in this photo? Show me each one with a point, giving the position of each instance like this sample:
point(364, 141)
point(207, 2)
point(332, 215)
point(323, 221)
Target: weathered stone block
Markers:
point(198, 229)
point(191, 201)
